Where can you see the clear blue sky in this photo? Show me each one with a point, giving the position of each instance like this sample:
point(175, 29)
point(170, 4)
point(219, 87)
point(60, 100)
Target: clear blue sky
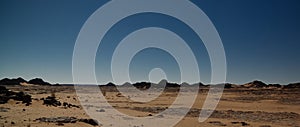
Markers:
point(261, 40)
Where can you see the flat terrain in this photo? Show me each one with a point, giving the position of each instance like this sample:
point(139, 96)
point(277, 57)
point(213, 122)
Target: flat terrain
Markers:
point(253, 107)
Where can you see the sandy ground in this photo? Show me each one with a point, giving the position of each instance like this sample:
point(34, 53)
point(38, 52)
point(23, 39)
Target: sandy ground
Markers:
point(274, 107)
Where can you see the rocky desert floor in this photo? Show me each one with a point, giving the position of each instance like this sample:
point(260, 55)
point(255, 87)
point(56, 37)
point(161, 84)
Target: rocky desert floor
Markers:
point(60, 106)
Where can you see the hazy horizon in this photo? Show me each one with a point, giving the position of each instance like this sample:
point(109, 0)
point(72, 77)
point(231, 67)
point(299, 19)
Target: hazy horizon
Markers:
point(71, 83)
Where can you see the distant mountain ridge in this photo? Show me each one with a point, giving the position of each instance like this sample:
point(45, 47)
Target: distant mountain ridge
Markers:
point(146, 85)
point(253, 84)
point(260, 84)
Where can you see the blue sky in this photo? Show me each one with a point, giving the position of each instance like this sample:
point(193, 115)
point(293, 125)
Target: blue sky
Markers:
point(261, 40)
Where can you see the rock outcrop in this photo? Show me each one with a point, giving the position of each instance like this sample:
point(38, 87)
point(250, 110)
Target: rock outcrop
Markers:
point(51, 101)
point(6, 95)
point(64, 119)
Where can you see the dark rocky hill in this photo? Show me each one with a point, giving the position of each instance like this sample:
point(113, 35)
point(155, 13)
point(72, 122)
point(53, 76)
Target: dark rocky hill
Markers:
point(38, 81)
point(18, 81)
point(13, 81)
point(255, 84)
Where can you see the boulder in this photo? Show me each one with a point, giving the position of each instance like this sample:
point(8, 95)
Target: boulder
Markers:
point(51, 101)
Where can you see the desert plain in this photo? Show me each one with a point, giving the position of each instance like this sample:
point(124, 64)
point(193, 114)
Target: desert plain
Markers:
point(249, 105)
